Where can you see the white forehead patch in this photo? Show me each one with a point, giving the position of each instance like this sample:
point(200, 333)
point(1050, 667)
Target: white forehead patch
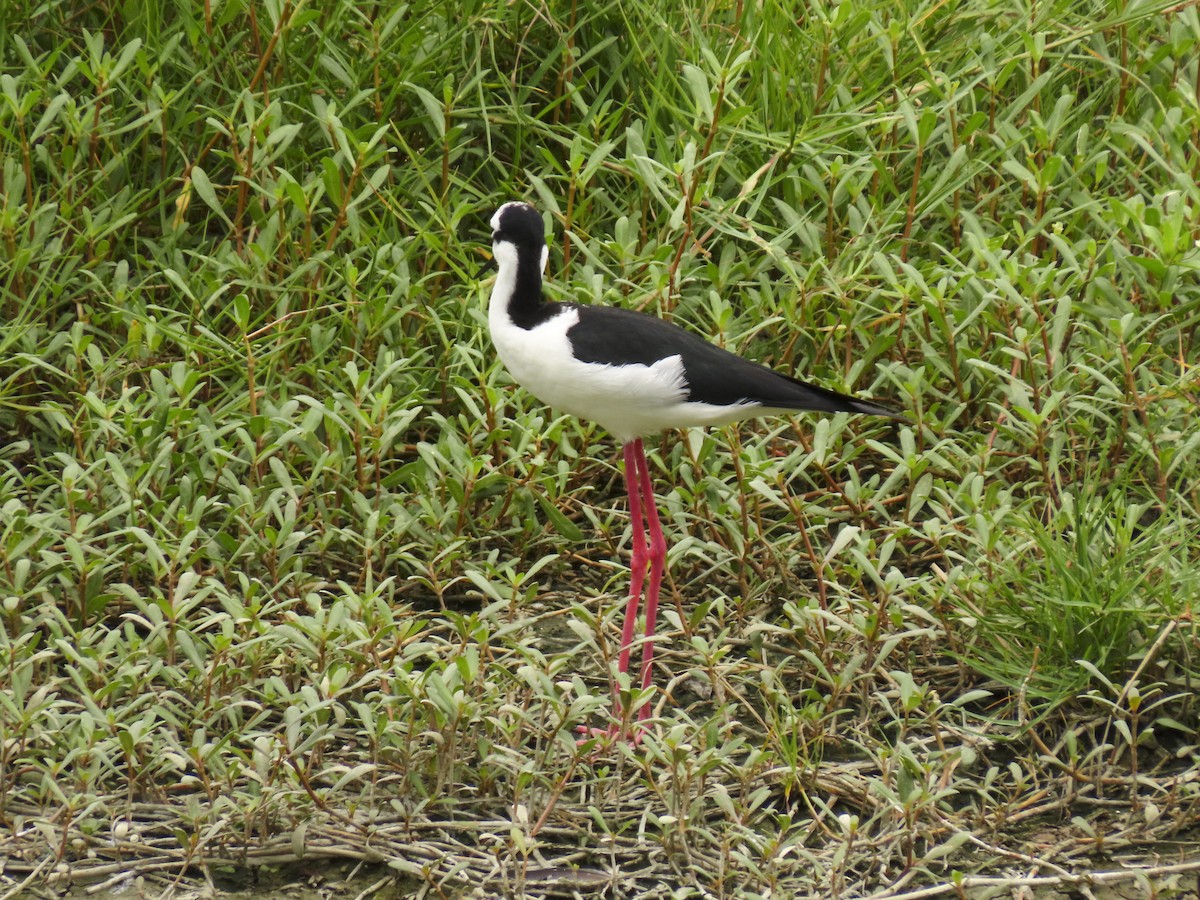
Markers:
point(495, 222)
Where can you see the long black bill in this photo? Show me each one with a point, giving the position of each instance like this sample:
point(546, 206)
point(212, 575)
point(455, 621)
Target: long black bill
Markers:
point(485, 268)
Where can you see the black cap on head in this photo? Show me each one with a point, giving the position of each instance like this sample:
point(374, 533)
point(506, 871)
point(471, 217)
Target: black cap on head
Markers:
point(519, 223)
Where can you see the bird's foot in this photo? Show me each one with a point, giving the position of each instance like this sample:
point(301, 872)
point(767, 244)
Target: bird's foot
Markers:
point(625, 727)
point(604, 738)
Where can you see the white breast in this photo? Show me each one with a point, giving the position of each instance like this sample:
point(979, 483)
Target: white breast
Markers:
point(630, 400)
point(627, 400)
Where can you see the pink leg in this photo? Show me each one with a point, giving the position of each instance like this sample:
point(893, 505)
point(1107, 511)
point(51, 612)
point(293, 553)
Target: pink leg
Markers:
point(634, 460)
point(641, 499)
point(658, 558)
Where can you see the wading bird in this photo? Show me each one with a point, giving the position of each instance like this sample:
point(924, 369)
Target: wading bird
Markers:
point(633, 374)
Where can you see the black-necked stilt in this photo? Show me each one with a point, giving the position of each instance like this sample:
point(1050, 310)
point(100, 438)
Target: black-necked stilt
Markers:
point(633, 374)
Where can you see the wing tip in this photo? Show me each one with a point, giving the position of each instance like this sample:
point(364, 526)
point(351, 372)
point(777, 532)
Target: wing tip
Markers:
point(871, 408)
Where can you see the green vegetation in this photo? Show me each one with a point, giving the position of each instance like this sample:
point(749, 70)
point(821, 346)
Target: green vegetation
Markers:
point(288, 567)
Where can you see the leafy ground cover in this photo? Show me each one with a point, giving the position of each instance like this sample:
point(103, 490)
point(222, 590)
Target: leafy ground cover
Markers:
point(289, 571)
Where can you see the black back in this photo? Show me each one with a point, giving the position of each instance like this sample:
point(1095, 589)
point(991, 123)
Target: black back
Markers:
point(606, 334)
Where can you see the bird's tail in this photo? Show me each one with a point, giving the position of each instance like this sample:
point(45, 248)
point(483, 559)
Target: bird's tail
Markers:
point(875, 409)
point(804, 395)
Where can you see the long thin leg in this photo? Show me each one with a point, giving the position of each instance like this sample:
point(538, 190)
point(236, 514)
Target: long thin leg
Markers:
point(658, 558)
point(641, 500)
point(635, 465)
point(634, 460)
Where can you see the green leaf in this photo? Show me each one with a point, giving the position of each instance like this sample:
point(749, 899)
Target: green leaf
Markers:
point(561, 523)
point(204, 190)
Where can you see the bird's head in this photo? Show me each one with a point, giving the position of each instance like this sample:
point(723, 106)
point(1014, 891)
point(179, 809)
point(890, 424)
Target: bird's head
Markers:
point(518, 234)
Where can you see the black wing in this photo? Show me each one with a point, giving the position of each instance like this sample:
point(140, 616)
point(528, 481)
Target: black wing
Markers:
point(609, 334)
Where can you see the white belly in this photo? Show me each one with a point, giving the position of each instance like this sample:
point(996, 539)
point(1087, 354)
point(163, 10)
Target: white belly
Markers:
point(628, 400)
